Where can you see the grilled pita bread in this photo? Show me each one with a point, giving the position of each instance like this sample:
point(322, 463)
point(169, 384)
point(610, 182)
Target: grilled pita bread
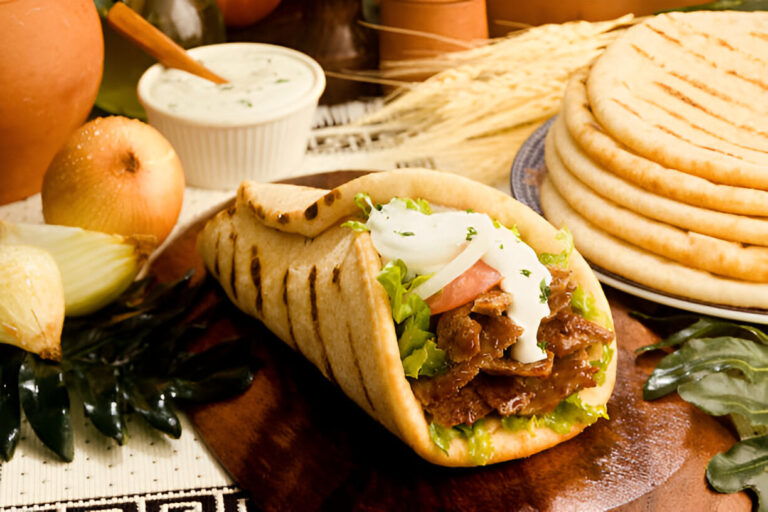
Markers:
point(616, 158)
point(644, 267)
point(281, 256)
point(692, 249)
point(690, 91)
point(726, 226)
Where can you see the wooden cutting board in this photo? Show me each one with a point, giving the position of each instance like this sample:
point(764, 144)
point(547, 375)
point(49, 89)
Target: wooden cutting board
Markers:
point(296, 442)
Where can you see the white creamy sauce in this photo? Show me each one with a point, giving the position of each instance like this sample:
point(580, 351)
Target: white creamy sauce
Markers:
point(429, 243)
point(260, 81)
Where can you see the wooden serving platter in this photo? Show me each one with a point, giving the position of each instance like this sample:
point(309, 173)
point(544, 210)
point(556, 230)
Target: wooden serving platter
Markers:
point(296, 442)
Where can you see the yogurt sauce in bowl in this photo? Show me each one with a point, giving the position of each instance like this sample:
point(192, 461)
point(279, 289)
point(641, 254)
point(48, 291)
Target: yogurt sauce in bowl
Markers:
point(254, 127)
point(264, 82)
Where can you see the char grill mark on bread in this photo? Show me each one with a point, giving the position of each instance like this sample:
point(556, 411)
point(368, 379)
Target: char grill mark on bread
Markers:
point(327, 368)
point(360, 375)
point(256, 278)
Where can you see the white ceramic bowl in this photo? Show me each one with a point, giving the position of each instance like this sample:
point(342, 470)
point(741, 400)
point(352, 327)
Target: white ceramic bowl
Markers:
point(256, 127)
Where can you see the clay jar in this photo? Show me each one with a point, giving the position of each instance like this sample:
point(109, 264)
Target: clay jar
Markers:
point(50, 69)
point(457, 19)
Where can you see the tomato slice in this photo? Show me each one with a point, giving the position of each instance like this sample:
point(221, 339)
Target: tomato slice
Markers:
point(478, 279)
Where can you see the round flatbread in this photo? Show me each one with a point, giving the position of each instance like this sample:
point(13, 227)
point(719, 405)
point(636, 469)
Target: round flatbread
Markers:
point(726, 226)
point(690, 91)
point(281, 255)
point(613, 156)
point(646, 268)
point(694, 250)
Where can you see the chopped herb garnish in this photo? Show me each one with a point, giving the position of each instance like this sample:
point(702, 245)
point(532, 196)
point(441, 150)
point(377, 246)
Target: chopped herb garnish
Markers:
point(471, 232)
point(496, 223)
point(245, 102)
point(226, 87)
point(525, 272)
point(470, 210)
point(404, 233)
point(545, 291)
point(281, 80)
point(542, 345)
point(501, 246)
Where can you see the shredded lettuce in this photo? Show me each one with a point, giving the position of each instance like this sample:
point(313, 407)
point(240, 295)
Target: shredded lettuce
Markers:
point(442, 436)
point(479, 439)
point(602, 363)
point(567, 413)
point(584, 304)
point(418, 204)
point(355, 225)
point(560, 259)
point(477, 435)
point(363, 201)
point(418, 351)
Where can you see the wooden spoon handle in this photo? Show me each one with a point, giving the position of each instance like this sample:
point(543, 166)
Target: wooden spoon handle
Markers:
point(146, 36)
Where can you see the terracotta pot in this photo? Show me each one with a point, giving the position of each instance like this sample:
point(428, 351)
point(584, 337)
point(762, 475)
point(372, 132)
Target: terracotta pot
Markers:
point(50, 69)
point(559, 11)
point(458, 19)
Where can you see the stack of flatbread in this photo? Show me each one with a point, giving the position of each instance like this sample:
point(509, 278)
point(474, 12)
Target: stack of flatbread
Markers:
point(658, 161)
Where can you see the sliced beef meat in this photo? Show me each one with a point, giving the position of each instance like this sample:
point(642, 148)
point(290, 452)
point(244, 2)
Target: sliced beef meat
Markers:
point(466, 407)
point(458, 334)
point(483, 378)
point(561, 288)
point(433, 390)
point(492, 303)
point(510, 367)
point(568, 332)
point(532, 395)
point(498, 333)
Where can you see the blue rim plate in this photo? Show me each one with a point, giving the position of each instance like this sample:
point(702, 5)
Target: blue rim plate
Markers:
point(527, 170)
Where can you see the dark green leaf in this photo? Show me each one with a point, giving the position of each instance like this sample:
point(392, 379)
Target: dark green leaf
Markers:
point(719, 393)
point(701, 356)
point(726, 5)
point(10, 411)
point(742, 467)
point(44, 398)
point(703, 327)
point(151, 398)
point(217, 386)
point(102, 399)
point(222, 356)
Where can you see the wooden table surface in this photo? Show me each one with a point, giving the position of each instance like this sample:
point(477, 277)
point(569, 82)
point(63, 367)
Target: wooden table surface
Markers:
point(296, 442)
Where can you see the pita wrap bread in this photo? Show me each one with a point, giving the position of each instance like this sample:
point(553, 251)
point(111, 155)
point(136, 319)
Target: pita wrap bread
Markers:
point(281, 255)
point(613, 156)
point(644, 267)
point(690, 91)
point(692, 249)
point(726, 226)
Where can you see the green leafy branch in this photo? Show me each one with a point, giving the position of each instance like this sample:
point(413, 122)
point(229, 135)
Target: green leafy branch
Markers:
point(722, 368)
point(131, 357)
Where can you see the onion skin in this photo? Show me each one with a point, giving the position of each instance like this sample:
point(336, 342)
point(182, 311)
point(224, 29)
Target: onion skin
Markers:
point(115, 175)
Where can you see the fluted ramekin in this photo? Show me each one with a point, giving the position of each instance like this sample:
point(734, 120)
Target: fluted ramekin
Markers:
point(219, 150)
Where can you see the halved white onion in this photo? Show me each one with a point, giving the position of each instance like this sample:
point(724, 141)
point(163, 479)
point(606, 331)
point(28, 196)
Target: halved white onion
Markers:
point(95, 267)
point(31, 300)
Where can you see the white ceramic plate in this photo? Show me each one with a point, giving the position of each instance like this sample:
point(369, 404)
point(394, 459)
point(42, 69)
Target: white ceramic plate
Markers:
point(529, 162)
